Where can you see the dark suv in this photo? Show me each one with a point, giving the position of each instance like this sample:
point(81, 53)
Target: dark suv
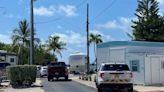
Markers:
point(57, 70)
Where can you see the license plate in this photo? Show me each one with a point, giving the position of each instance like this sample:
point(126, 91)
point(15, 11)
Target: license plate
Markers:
point(56, 73)
point(116, 76)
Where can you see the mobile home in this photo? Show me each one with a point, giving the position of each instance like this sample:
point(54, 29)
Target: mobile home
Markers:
point(77, 62)
point(145, 59)
point(6, 57)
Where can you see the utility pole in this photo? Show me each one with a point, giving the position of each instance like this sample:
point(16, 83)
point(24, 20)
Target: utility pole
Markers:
point(87, 29)
point(32, 33)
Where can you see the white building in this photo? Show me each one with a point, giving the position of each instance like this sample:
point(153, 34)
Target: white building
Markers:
point(10, 58)
point(77, 62)
point(145, 59)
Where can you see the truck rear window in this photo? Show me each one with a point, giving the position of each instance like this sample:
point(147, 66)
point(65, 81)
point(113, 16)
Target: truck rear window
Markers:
point(113, 67)
point(58, 64)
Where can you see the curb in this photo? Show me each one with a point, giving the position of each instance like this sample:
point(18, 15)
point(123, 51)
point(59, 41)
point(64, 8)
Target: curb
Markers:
point(83, 83)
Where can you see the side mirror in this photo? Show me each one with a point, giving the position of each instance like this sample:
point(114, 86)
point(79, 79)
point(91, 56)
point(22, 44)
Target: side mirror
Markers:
point(68, 65)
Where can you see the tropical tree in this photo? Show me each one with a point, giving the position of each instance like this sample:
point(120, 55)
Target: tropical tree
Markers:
point(42, 57)
point(95, 39)
point(55, 44)
point(20, 39)
point(6, 47)
point(150, 25)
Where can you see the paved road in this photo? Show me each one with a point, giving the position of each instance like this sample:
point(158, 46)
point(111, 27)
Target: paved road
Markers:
point(65, 86)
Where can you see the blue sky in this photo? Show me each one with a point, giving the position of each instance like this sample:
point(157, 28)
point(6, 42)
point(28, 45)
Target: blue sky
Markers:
point(67, 18)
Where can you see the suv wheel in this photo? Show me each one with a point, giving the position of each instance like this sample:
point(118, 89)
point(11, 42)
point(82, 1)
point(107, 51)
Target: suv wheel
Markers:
point(130, 89)
point(100, 90)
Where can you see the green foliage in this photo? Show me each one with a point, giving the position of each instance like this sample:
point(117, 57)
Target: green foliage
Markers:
point(42, 57)
point(95, 39)
point(6, 47)
point(150, 25)
point(21, 75)
point(55, 44)
point(21, 41)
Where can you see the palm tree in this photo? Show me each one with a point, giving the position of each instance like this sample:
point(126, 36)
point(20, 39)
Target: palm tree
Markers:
point(20, 38)
point(95, 39)
point(55, 44)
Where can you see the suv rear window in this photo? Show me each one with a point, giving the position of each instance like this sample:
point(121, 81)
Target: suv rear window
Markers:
point(57, 64)
point(113, 67)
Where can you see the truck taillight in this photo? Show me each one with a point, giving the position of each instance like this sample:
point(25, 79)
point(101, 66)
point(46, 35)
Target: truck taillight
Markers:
point(102, 75)
point(131, 75)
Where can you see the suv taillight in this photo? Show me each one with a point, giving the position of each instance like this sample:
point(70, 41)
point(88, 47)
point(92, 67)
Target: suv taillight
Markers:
point(102, 75)
point(131, 75)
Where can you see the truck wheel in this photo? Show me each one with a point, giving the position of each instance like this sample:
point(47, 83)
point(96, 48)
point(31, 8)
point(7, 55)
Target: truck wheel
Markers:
point(49, 78)
point(130, 89)
point(41, 76)
point(66, 78)
point(57, 78)
point(100, 90)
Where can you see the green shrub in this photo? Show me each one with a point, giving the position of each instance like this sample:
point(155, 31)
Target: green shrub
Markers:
point(21, 75)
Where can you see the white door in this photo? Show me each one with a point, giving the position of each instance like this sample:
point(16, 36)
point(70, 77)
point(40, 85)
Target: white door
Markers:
point(155, 70)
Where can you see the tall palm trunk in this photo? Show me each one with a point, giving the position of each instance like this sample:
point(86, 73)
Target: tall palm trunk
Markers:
point(95, 54)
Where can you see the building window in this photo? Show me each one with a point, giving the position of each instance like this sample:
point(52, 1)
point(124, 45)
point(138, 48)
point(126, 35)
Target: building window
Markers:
point(12, 60)
point(134, 64)
point(162, 65)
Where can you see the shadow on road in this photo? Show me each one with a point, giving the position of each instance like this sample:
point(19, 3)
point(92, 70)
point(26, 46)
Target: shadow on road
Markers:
point(118, 91)
point(61, 80)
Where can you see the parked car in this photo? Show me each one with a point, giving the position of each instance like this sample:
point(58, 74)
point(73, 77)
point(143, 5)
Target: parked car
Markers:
point(57, 70)
point(114, 76)
point(43, 71)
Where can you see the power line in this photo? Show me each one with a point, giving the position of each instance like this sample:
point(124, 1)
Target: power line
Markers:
point(105, 9)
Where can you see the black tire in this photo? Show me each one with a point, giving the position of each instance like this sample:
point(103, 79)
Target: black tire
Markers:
point(41, 76)
point(99, 90)
point(49, 78)
point(130, 89)
point(66, 78)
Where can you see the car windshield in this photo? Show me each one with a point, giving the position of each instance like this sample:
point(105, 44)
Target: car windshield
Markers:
point(113, 67)
point(57, 64)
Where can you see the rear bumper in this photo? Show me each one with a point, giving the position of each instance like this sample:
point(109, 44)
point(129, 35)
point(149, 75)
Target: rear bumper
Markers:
point(59, 75)
point(115, 85)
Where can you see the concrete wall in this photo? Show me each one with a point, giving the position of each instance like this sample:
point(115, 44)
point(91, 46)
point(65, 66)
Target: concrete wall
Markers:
point(102, 55)
point(9, 57)
point(117, 54)
point(138, 77)
point(154, 73)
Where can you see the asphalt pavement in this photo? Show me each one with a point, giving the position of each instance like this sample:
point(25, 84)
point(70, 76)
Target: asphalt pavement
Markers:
point(65, 86)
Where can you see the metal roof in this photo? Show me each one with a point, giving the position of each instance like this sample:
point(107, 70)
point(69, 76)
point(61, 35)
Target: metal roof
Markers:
point(129, 43)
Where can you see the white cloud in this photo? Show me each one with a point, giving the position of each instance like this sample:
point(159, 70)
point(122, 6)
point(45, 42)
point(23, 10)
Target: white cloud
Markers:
point(68, 10)
point(5, 38)
point(43, 11)
point(72, 38)
point(109, 25)
point(122, 23)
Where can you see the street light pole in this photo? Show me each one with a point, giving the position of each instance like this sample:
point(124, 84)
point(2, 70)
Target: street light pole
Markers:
point(87, 29)
point(32, 33)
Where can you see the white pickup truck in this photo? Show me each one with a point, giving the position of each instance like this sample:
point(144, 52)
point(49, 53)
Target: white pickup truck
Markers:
point(114, 76)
